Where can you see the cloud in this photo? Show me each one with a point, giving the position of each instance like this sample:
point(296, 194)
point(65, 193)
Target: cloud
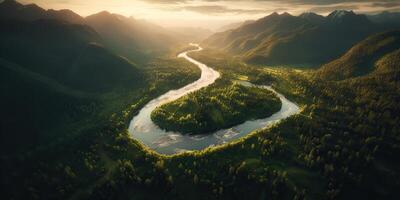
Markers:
point(326, 2)
point(325, 9)
point(302, 2)
point(254, 7)
point(386, 4)
point(216, 10)
point(167, 1)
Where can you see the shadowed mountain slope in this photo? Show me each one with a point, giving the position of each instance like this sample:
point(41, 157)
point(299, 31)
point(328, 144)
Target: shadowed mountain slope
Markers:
point(55, 75)
point(64, 52)
point(33, 106)
point(11, 9)
point(386, 19)
point(137, 40)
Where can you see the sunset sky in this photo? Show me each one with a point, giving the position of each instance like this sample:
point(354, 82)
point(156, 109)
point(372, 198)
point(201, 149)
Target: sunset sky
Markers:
point(212, 13)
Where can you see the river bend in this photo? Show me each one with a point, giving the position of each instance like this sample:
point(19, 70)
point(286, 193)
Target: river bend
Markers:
point(143, 129)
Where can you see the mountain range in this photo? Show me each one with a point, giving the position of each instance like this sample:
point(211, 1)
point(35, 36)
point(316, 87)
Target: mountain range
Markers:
point(69, 86)
point(56, 70)
point(126, 36)
point(284, 39)
point(11, 9)
point(66, 61)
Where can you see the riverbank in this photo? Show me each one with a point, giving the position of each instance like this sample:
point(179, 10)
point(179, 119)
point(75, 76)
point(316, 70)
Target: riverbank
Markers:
point(143, 129)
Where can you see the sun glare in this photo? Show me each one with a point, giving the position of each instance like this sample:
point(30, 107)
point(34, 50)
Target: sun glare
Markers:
point(206, 14)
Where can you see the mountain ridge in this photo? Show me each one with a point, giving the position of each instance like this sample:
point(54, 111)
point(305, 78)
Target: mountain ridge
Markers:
point(284, 39)
point(135, 39)
point(11, 9)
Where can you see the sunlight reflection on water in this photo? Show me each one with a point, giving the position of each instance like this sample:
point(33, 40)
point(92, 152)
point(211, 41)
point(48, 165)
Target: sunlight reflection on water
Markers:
point(143, 129)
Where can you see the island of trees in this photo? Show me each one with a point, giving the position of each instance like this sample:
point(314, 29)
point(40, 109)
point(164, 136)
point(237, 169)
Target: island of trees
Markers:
point(222, 105)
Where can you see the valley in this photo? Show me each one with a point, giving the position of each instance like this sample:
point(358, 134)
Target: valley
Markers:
point(145, 128)
point(282, 106)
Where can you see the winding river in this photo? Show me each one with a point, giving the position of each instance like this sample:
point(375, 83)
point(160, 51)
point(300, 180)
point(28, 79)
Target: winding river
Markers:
point(143, 129)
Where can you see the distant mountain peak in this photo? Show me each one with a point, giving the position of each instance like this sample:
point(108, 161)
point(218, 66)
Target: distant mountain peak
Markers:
point(286, 14)
point(107, 15)
point(101, 16)
point(62, 11)
point(13, 4)
point(312, 17)
point(348, 18)
point(103, 13)
point(273, 14)
point(11, 9)
point(34, 7)
point(10, 4)
point(306, 14)
point(341, 13)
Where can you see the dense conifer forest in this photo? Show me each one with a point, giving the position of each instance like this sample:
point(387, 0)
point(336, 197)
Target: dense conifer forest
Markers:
point(71, 85)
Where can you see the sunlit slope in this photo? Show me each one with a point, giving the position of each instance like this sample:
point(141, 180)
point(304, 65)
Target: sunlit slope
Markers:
point(130, 37)
point(305, 39)
point(389, 63)
point(377, 53)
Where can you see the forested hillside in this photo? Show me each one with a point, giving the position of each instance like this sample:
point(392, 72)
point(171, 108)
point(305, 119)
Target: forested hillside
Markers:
point(53, 74)
point(343, 145)
point(68, 53)
point(365, 57)
point(61, 81)
point(71, 85)
point(307, 39)
point(52, 135)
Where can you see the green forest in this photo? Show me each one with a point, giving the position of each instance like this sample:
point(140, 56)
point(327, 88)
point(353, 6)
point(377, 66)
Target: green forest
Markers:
point(219, 106)
point(71, 86)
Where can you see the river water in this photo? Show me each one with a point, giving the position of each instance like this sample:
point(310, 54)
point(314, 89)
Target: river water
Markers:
point(144, 130)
